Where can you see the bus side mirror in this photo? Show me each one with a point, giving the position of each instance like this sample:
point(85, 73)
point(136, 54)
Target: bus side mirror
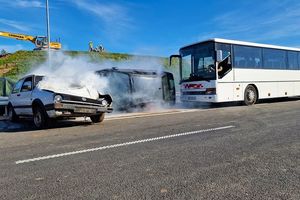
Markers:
point(219, 56)
point(173, 56)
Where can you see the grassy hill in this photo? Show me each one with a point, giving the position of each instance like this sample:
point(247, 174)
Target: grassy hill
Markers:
point(19, 63)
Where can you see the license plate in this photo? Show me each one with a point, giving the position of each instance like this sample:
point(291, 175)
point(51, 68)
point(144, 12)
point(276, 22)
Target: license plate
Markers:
point(84, 110)
point(191, 98)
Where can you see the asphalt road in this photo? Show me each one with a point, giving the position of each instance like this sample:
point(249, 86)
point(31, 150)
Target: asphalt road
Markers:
point(233, 152)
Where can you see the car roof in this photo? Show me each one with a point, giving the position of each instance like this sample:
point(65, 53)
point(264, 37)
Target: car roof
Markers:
point(30, 75)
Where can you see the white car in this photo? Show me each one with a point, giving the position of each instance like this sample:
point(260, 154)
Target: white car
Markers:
point(28, 99)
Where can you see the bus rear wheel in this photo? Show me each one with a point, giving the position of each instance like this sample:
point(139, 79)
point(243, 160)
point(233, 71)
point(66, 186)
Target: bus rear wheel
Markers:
point(251, 95)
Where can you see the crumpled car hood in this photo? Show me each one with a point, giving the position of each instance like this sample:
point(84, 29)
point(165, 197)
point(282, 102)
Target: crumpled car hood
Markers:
point(63, 89)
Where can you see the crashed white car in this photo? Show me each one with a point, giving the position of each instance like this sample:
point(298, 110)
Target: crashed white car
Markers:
point(29, 98)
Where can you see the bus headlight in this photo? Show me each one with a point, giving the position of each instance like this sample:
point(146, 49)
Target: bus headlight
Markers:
point(210, 91)
point(57, 99)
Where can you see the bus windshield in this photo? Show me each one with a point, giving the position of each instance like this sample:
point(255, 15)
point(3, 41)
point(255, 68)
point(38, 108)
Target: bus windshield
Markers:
point(198, 63)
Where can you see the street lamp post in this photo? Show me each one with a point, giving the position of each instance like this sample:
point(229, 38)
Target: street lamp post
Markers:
point(48, 32)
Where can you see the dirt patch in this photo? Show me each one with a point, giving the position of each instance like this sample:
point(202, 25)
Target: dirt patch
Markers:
point(7, 68)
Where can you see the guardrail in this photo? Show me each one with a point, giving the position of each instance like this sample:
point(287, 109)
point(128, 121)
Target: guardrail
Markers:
point(3, 105)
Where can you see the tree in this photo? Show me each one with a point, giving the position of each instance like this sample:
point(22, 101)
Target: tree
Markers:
point(3, 52)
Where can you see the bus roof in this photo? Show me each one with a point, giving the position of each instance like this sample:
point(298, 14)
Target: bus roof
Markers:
point(245, 44)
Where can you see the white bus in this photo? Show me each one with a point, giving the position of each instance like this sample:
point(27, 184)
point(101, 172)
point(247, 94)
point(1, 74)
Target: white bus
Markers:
point(219, 70)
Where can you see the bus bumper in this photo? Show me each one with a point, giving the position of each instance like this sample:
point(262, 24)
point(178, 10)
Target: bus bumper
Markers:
point(199, 98)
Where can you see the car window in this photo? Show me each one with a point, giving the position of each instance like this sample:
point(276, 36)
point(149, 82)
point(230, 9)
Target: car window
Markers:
point(18, 86)
point(27, 85)
point(38, 79)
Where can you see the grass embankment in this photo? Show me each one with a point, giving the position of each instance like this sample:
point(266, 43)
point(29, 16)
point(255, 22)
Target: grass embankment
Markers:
point(15, 65)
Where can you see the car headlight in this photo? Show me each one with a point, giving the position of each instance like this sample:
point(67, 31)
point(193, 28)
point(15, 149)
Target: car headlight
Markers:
point(57, 99)
point(104, 102)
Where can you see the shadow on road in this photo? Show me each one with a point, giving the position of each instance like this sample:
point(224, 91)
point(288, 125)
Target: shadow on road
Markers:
point(25, 125)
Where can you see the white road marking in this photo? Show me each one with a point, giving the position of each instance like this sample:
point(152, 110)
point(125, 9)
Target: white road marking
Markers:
point(122, 144)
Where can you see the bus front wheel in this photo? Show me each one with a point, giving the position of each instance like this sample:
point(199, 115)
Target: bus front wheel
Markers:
point(251, 95)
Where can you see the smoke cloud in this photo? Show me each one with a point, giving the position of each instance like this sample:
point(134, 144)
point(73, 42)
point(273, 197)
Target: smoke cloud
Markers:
point(76, 75)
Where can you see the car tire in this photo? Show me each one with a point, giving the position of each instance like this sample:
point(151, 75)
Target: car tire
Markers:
point(40, 117)
point(97, 118)
point(12, 116)
point(251, 95)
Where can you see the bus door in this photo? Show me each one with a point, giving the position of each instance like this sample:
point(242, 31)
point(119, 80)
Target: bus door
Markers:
point(168, 88)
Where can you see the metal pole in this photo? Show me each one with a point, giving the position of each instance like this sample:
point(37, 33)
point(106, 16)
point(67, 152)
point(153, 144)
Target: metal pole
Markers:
point(48, 32)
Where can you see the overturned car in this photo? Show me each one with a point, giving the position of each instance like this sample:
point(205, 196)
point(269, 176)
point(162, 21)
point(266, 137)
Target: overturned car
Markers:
point(31, 98)
point(136, 88)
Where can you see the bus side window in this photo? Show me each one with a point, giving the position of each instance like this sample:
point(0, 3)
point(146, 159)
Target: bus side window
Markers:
point(224, 66)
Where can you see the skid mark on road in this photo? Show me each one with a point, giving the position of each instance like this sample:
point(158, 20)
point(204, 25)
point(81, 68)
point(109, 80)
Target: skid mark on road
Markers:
point(122, 144)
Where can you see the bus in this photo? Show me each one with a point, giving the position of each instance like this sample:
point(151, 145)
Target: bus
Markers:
point(220, 70)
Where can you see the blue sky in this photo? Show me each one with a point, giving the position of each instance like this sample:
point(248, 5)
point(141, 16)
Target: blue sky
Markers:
point(151, 27)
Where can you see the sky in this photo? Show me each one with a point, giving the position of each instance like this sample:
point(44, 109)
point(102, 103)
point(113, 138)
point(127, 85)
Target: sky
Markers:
point(147, 27)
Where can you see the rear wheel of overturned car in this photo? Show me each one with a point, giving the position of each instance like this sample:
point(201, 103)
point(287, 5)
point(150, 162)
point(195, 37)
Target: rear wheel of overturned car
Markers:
point(97, 118)
point(39, 117)
point(12, 116)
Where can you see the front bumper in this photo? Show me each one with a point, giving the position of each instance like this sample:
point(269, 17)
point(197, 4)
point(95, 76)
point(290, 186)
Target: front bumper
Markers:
point(199, 98)
point(76, 109)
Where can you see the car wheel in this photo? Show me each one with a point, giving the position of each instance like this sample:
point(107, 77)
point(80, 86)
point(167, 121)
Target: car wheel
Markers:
point(39, 117)
point(97, 118)
point(250, 96)
point(12, 116)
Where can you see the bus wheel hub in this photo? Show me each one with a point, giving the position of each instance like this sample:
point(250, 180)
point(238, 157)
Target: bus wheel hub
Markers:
point(251, 95)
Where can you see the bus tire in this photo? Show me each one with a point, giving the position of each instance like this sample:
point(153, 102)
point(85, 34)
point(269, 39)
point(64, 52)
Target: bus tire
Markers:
point(251, 95)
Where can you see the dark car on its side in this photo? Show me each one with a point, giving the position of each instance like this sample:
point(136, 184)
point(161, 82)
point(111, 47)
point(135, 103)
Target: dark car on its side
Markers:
point(135, 88)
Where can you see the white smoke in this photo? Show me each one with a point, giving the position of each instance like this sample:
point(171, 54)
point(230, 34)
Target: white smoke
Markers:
point(75, 75)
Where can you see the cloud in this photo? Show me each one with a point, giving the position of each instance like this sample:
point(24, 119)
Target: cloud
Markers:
point(29, 4)
point(115, 17)
point(22, 4)
point(15, 25)
point(270, 20)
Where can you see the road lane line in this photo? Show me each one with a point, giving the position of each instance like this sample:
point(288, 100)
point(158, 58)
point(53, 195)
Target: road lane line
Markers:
point(122, 144)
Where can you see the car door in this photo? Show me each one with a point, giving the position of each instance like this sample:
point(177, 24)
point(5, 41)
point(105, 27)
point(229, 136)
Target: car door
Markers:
point(14, 97)
point(25, 96)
